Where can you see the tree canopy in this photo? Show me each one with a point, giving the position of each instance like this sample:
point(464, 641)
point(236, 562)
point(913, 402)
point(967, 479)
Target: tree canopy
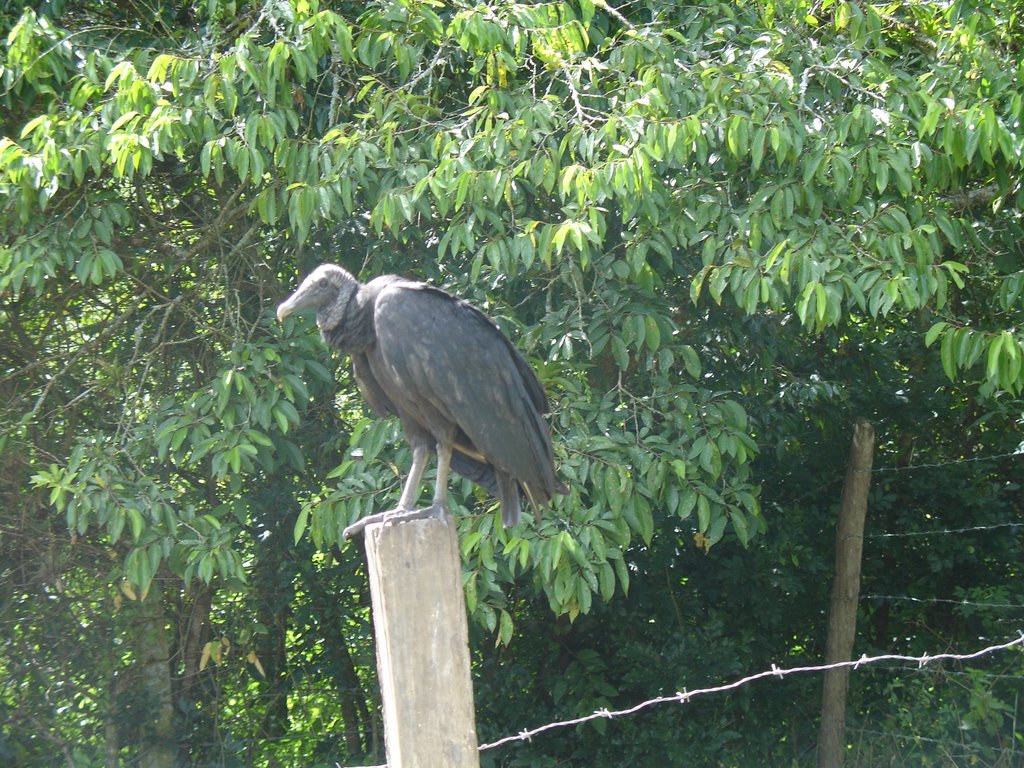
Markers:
point(719, 231)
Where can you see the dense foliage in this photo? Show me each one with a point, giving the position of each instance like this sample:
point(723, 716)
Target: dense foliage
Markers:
point(719, 231)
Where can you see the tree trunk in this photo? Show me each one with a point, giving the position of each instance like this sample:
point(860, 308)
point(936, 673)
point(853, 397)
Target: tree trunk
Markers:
point(354, 712)
point(842, 619)
point(195, 633)
point(111, 730)
point(273, 612)
point(158, 742)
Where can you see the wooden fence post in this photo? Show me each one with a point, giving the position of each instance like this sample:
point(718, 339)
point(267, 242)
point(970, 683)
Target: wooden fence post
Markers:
point(419, 616)
point(842, 615)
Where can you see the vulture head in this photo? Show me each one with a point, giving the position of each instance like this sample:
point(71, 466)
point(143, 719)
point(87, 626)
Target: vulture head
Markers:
point(329, 290)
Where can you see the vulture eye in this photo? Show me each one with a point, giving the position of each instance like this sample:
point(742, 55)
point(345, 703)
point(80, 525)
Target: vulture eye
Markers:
point(323, 282)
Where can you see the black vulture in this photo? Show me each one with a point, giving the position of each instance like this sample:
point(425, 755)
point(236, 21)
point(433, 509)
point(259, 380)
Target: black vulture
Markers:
point(457, 384)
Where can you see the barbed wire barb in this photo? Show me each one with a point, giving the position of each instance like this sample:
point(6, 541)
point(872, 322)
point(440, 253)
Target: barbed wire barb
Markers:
point(684, 696)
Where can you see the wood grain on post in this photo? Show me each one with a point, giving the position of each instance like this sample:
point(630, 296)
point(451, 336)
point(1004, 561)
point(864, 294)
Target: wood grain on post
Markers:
point(842, 617)
point(419, 616)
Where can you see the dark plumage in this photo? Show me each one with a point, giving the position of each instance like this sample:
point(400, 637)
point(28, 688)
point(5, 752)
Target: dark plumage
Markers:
point(458, 385)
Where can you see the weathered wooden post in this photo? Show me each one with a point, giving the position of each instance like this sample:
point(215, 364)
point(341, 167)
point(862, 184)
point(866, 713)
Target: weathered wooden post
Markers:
point(842, 617)
point(419, 615)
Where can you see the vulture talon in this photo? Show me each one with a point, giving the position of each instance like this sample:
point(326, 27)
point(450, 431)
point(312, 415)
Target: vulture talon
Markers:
point(393, 517)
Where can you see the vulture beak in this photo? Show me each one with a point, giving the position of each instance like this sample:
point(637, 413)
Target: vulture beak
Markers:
point(296, 301)
point(283, 310)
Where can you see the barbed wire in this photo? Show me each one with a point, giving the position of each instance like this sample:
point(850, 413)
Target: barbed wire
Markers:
point(684, 696)
point(991, 678)
point(967, 750)
point(970, 529)
point(875, 470)
point(938, 465)
point(949, 600)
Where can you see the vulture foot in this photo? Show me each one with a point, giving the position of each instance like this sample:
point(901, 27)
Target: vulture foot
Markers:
point(394, 516)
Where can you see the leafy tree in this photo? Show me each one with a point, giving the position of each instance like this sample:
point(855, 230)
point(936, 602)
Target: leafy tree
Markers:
point(719, 230)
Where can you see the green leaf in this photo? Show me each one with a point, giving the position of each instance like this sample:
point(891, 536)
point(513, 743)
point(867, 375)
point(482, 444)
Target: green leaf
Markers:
point(558, 240)
point(652, 333)
point(622, 572)
point(933, 333)
point(125, 118)
point(34, 123)
point(757, 147)
point(844, 12)
point(115, 526)
point(691, 361)
point(122, 70)
point(947, 353)
point(995, 348)
point(300, 524)
point(281, 418)
point(811, 165)
point(505, 628)
point(470, 588)
point(619, 353)
point(739, 525)
point(703, 513)
point(606, 578)
point(136, 522)
point(470, 542)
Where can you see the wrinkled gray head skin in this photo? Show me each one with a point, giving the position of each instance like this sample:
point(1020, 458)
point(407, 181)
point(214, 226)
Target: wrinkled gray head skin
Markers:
point(328, 289)
point(344, 319)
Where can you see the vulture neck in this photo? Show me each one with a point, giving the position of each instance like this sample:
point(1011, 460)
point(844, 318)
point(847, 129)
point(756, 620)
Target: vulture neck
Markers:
point(347, 324)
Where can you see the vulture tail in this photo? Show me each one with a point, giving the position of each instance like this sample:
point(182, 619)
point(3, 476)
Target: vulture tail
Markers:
point(508, 493)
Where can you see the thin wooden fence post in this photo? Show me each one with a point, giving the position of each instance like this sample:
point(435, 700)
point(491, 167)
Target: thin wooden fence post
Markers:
point(419, 615)
point(842, 616)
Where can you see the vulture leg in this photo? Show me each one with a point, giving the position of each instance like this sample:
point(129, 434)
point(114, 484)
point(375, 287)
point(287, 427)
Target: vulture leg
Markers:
point(444, 463)
point(420, 456)
point(404, 511)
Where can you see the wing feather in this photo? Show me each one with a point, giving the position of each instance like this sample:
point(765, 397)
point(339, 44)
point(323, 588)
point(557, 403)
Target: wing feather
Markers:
point(444, 364)
point(372, 391)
